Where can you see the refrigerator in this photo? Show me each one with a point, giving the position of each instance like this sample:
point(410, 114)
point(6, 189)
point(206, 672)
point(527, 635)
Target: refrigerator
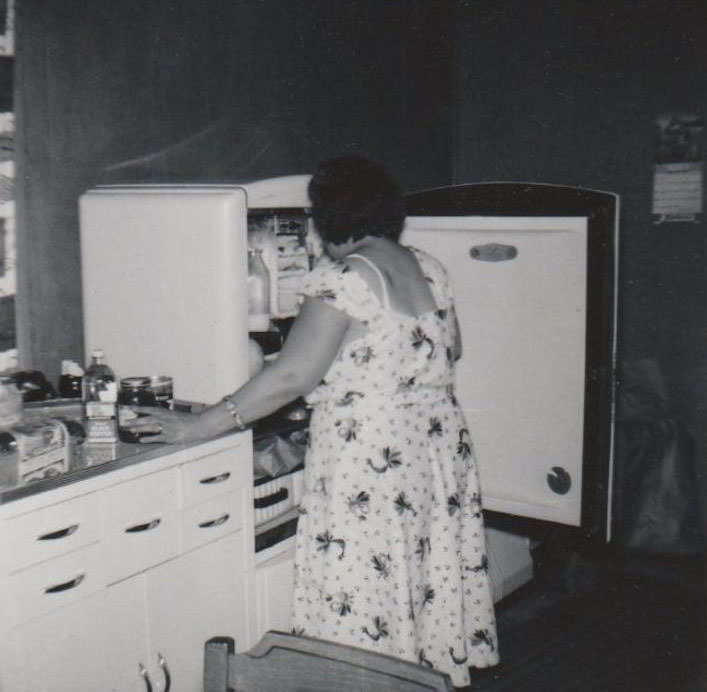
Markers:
point(533, 268)
point(164, 272)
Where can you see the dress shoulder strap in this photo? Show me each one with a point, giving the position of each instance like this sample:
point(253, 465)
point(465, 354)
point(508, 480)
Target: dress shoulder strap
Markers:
point(384, 286)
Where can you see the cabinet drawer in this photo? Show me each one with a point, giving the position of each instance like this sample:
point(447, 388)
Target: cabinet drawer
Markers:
point(56, 583)
point(215, 474)
point(212, 519)
point(141, 523)
point(51, 531)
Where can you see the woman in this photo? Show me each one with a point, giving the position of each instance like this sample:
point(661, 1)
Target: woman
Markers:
point(390, 545)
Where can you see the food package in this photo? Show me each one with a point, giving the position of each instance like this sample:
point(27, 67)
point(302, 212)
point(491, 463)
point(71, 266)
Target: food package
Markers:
point(34, 451)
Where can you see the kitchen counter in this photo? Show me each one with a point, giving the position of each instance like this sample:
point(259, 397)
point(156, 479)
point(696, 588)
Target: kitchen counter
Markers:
point(158, 542)
point(87, 460)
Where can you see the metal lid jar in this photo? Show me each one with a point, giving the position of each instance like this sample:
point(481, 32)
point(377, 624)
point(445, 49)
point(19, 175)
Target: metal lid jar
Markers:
point(136, 391)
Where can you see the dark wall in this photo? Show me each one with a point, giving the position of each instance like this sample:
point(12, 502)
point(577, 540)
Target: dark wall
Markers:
point(568, 92)
point(548, 91)
point(229, 90)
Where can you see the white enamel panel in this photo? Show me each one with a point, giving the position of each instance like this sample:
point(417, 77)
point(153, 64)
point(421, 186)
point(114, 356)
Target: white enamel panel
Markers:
point(281, 191)
point(164, 271)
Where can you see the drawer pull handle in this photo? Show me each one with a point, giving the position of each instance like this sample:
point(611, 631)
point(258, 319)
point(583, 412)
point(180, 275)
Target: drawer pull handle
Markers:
point(162, 661)
point(216, 479)
point(138, 528)
point(61, 533)
point(145, 676)
point(279, 496)
point(65, 586)
point(215, 522)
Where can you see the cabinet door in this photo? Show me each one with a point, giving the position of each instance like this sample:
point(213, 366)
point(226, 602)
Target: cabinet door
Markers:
point(189, 600)
point(274, 581)
point(91, 644)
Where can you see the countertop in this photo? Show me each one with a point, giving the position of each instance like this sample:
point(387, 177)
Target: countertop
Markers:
point(88, 460)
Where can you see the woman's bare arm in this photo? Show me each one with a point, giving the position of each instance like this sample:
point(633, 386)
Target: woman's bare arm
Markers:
point(311, 346)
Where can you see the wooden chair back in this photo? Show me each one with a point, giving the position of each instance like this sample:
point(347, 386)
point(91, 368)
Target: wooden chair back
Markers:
point(290, 663)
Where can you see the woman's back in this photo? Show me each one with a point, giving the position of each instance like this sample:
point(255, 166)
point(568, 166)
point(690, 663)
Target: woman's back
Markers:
point(394, 274)
point(401, 334)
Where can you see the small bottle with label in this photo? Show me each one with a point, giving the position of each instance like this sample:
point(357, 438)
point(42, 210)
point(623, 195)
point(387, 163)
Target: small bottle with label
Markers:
point(99, 392)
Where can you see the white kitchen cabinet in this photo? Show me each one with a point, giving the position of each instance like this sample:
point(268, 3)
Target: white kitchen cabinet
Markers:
point(274, 581)
point(173, 609)
point(143, 564)
point(210, 588)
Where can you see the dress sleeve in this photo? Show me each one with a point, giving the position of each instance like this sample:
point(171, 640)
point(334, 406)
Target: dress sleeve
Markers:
point(438, 278)
point(338, 286)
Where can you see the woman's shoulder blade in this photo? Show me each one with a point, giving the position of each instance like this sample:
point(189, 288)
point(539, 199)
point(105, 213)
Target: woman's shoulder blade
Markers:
point(429, 263)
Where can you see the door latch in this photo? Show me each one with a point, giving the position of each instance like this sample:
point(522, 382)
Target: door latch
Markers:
point(559, 480)
point(493, 252)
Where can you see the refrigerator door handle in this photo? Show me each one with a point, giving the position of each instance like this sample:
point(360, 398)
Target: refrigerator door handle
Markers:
point(493, 252)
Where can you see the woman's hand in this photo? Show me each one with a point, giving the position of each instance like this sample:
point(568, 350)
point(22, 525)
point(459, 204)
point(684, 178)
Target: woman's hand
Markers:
point(159, 424)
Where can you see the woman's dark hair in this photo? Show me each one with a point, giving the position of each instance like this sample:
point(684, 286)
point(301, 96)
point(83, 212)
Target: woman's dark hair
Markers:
point(353, 197)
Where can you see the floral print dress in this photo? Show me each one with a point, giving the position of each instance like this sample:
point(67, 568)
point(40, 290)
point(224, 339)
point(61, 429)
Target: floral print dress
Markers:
point(390, 545)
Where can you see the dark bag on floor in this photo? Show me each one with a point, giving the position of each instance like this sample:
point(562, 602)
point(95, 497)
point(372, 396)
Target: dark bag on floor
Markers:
point(658, 509)
point(656, 494)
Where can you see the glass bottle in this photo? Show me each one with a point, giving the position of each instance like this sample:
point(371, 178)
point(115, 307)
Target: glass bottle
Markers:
point(99, 392)
point(258, 292)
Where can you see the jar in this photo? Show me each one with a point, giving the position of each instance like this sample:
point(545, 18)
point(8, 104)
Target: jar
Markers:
point(69, 385)
point(136, 391)
point(11, 412)
point(162, 389)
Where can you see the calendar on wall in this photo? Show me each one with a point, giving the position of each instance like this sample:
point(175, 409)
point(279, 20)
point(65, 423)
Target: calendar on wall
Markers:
point(679, 168)
point(8, 277)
